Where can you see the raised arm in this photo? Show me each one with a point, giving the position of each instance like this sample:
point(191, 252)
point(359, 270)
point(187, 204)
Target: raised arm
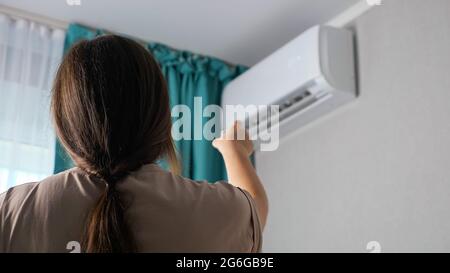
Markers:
point(240, 170)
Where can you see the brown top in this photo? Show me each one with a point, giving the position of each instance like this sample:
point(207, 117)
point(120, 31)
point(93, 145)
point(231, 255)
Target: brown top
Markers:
point(165, 212)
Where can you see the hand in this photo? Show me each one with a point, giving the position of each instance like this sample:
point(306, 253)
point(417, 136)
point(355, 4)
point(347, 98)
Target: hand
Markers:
point(229, 142)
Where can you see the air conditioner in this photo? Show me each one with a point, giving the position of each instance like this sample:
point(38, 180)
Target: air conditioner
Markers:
point(308, 77)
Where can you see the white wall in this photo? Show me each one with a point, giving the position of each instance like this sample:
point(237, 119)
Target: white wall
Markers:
point(379, 168)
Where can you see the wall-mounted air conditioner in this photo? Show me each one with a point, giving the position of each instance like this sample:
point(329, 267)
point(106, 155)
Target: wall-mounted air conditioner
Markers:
point(308, 77)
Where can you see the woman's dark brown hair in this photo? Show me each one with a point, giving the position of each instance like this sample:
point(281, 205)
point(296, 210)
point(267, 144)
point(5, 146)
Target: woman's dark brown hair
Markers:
point(111, 111)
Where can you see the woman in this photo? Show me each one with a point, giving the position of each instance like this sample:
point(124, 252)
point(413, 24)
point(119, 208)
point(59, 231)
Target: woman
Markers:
point(110, 107)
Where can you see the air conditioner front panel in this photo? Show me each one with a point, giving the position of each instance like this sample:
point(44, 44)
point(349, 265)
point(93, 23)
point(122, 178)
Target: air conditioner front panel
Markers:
point(278, 75)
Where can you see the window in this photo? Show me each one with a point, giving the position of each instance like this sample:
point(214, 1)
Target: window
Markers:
point(29, 56)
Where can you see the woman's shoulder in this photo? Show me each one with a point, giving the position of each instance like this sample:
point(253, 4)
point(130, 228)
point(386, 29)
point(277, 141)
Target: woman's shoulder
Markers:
point(48, 188)
point(19, 191)
point(159, 180)
point(16, 193)
point(218, 199)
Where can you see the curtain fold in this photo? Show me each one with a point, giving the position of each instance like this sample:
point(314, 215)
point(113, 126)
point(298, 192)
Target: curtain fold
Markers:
point(29, 56)
point(188, 75)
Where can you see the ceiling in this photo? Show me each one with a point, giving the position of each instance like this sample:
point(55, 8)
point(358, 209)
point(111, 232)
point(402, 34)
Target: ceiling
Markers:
point(238, 31)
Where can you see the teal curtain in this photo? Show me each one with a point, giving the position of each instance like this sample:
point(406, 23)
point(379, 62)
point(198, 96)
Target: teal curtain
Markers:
point(188, 75)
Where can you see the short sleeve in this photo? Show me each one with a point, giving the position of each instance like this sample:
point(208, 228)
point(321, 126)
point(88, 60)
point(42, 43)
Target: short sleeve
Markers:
point(256, 224)
point(233, 211)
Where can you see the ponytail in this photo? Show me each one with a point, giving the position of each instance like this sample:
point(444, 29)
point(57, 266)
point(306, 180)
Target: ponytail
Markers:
point(106, 230)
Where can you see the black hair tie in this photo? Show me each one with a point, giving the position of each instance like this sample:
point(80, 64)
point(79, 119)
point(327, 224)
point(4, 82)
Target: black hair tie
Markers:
point(111, 182)
point(111, 189)
point(110, 178)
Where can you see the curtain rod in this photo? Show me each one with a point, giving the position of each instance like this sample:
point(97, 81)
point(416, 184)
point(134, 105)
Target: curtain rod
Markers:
point(21, 14)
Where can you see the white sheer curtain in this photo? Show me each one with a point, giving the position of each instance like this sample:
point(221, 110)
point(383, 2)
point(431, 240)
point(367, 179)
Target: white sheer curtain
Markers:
point(29, 56)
